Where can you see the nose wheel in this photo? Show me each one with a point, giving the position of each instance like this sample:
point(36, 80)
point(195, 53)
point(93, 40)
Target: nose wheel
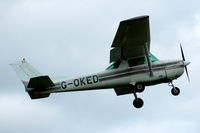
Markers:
point(175, 91)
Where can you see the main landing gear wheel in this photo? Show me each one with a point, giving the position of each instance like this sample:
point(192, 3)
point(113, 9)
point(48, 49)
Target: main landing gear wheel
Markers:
point(175, 91)
point(138, 103)
point(139, 87)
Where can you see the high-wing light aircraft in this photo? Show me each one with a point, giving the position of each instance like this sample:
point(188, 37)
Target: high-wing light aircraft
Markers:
point(133, 67)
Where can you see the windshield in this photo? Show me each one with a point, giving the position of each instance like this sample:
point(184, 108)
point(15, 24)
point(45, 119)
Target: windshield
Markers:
point(152, 57)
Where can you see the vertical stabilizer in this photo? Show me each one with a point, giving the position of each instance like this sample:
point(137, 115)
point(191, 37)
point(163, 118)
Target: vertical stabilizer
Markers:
point(33, 80)
point(25, 71)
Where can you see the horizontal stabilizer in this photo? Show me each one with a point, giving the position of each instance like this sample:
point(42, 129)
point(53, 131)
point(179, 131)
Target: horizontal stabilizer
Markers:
point(40, 83)
point(37, 96)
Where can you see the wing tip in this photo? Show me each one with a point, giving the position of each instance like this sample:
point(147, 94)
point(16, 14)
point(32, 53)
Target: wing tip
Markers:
point(136, 18)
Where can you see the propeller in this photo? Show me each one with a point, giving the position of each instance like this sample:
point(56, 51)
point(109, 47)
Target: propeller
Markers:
point(185, 63)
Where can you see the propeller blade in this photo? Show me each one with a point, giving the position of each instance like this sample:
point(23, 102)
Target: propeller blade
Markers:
point(183, 57)
point(187, 73)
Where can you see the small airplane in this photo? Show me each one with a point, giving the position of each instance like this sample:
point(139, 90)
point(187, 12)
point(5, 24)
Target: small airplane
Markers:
point(133, 67)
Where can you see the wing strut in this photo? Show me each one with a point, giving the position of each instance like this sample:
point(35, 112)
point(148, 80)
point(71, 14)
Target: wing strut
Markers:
point(148, 59)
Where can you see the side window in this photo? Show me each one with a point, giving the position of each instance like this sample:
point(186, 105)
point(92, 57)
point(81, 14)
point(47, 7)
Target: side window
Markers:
point(136, 61)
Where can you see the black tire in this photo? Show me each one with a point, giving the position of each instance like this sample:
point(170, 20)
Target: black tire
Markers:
point(138, 103)
point(139, 87)
point(175, 91)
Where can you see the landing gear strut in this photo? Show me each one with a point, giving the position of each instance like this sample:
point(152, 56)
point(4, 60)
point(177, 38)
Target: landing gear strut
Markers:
point(175, 90)
point(137, 102)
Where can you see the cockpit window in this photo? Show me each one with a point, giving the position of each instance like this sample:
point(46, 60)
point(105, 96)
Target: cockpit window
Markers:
point(141, 60)
point(115, 65)
point(136, 61)
point(133, 62)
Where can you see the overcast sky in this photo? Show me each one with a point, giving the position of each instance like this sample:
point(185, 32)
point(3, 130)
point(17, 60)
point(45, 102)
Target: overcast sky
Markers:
point(69, 38)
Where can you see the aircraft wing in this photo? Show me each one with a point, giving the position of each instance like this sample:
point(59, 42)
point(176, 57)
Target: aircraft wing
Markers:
point(131, 39)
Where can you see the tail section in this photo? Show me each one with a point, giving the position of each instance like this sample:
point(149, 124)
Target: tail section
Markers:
point(33, 80)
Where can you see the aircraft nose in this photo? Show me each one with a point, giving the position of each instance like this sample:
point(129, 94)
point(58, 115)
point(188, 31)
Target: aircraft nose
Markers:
point(186, 63)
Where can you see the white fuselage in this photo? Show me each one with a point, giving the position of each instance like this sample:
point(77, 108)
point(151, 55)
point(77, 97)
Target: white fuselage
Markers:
point(163, 71)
